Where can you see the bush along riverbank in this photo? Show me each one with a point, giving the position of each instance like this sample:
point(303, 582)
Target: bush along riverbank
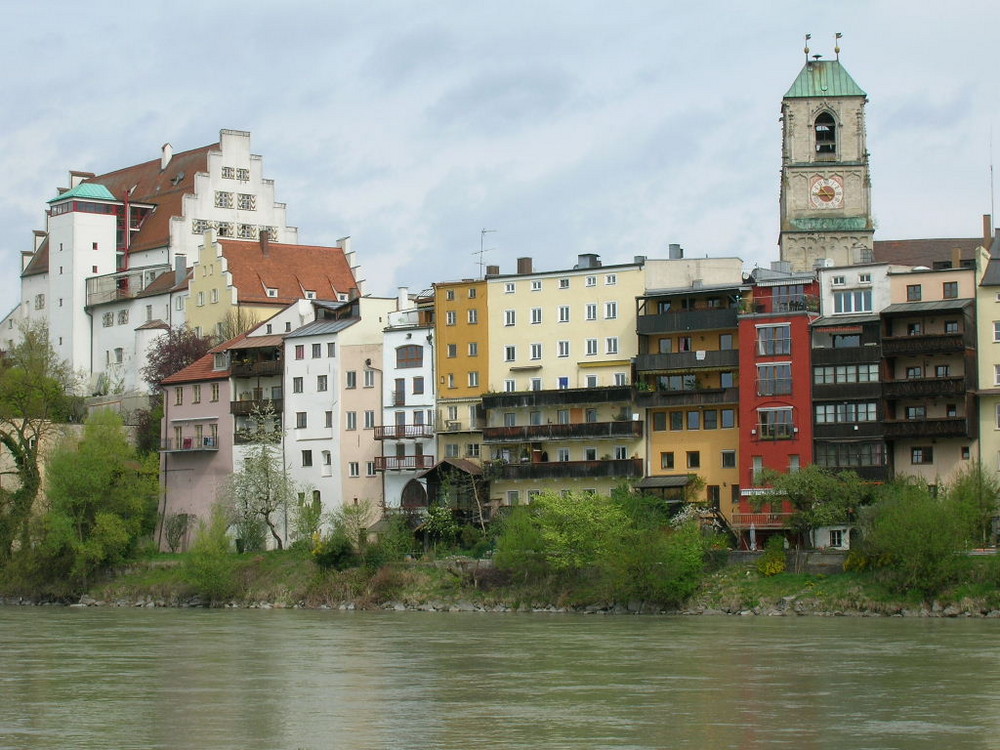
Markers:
point(292, 580)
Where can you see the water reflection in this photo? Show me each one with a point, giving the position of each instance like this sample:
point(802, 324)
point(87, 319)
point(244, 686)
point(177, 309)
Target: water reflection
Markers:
point(289, 679)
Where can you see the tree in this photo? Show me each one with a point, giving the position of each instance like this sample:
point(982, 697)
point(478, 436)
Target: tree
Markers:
point(818, 497)
point(973, 494)
point(172, 352)
point(238, 320)
point(103, 500)
point(261, 488)
point(36, 395)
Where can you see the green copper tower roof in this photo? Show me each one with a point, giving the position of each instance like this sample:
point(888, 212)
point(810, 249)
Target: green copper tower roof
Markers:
point(824, 78)
point(86, 191)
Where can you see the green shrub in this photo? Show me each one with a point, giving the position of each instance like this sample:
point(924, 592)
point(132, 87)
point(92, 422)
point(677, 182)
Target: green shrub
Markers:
point(774, 560)
point(210, 568)
point(335, 552)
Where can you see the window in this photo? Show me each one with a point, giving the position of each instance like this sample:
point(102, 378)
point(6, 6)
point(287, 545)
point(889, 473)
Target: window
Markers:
point(852, 301)
point(621, 453)
point(564, 283)
point(536, 384)
point(826, 133)
point(328, 419)
point(727, 379)
point(694, 459)
point(942, 371)
point(591, 347)
point(223, 199)
point(915, 371)
point(590, 454)
point(536, 351)
point(195, 389)
point(369, 378)
point(513, 497)
point(536, 285)
point(591, 311)
point(864, 278)
point(774, 379)
point(509, 317)
point(949, 290)
point(509, 287)
point(728, 459)
point(667, 460)
point(914, 329)
point(473, 348)
point(301, 420)
point(536, 315)
point(410, 355)
point(996, 374)
point(611, 344)
point(354, 469)
point(450, 317)
point(710, 419)
point(331, 349)
point(562, 454)
point(352, 379)
point(451, 380)
point(452, 351)
point(307, 458)
point(951, 326)
point(228, 173)
point(922, 455)
point(215, 391)
point(676, 420)
point(472, 292)
point(913, 292)
point(178, 396)
point(562, 416)
point(300, 351)
point(122, 317)
point(684, 343)
point(775, 424)
point(563, 348)
point(451, 450)
point(370, 468)
point(966, 453)
point(473, 317)
point(838, 280)
point(916, 412)
point(694, 420)
point(845, 374)
point(775, 339)
point(564, 313)
point(352, 420)
point(591, 381)
point(866, 411)
point(369, 419)
point(510, 419)
point(449, 294)
point(321, 383)
point(316, 351)
point(725, 341)
point(611, 279)
point(509, 353)
point(418, 385)
point(610, 310)
point(836, 538)
point(472, 450)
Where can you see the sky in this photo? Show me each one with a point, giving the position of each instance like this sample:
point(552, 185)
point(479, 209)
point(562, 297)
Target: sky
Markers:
point(563, 127)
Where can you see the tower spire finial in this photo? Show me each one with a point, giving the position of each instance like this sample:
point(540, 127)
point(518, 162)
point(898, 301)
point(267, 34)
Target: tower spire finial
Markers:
point(806, 49)
point(836, 44)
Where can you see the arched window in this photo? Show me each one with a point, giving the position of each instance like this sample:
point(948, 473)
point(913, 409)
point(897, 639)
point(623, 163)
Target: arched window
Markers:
point(826, 134)
point(410, 355)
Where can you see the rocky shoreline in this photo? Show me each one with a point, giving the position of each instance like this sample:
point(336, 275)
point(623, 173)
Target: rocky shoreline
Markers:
point(789, 606)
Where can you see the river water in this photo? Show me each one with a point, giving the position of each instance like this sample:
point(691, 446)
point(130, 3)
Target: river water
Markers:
point(165, 678)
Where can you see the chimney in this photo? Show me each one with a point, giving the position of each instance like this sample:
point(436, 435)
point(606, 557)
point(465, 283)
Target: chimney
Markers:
point(265, 242)
point(166, 156)
point(403, 298)
point(180, 269)
point(956, 257)
point(675, 251)
point(492, 270)
point(639, 259)
point(587, 260)
point(523, 266)
point(987, 230)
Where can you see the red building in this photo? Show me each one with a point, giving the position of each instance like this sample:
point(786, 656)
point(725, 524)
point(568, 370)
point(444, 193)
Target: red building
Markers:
point(775, 393)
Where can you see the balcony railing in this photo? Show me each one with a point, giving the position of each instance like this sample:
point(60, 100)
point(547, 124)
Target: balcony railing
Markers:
point(403, 431)
point(688, 360)
point(921, 428)
point(256, 369)
point(930, 344)
point(845, 391)
point(403, 463)
point(701, 397)
point(249, 406)
point(776, 431)
point(459, 425)
point(859, 355)
point(563, 397)
point(189, 444)
point(760, 520)
point(398, 398)
point(627, 468)
point(822, 431)
point(690, 320)
point(925, 387)
point(529, 433)
point(794, 303)
point(774, 387)
point(122, 285)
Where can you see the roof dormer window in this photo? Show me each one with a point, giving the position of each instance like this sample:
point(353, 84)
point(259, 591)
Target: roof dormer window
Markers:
point(271, 292)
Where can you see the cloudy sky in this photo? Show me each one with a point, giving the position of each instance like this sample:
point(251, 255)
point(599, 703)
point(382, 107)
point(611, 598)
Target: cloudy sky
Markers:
point(567, 127)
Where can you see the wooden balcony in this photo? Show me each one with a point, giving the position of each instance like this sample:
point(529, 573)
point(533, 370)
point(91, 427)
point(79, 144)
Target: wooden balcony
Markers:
point(561, 397)
point(189, 445)
point(825, 431)
point(531, 433)
point(612, 469)
point(403, 431)
point(717, 360)
point(687, 320)
point(700, 397)
point(760, 520)
point(259, 369)
point(775, 432)
point(460, 425)
point(927, 428)
point(403, 463)
point(866, 354)
point(249, 406)
point(948, 343)
point(925, 387)
point(847, 391)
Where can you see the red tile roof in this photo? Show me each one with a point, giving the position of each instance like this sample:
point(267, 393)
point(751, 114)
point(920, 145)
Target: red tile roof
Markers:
point(924, 252)
point(200, 369)
point(291, 269)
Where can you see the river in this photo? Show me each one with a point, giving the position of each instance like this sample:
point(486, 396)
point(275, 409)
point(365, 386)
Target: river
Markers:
point(166, 678)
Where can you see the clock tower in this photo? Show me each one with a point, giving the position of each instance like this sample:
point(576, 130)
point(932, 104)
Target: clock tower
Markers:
point(825, 200)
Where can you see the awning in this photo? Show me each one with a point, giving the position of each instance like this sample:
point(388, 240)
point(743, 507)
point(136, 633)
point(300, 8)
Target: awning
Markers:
point(655, 483)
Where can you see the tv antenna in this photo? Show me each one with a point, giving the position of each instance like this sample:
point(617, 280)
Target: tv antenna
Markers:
point(481, 252)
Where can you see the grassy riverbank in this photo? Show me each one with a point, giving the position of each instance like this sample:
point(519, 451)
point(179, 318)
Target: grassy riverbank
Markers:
point(292, 579)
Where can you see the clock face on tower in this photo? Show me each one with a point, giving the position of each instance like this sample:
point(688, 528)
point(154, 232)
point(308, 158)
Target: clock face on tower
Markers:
point(826, 192)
